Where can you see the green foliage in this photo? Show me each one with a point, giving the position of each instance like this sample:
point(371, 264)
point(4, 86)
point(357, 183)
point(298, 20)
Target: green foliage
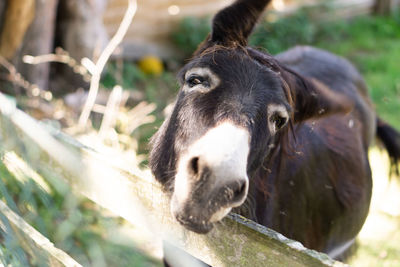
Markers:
point(150, 88)
point(372, 44)
point(275, 36)
point(189, 33)
point(160, 90)
point(72, 224)
point(284, 33)
point(125, 74)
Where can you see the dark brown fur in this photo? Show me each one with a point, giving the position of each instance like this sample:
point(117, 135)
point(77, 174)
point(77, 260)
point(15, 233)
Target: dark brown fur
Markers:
point(312, 180)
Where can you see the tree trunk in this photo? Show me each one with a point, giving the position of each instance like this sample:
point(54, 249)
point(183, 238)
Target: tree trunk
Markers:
point(382, 7)
point(3, 5)
point(36, 27)
point(39, 40)
point(17, 18)
point(80, 31)
point(80, 27)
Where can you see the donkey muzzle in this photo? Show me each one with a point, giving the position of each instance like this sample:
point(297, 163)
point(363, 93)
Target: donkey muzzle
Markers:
point(211, 177)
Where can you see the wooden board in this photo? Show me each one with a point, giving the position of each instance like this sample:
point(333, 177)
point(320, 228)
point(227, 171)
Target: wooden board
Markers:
point(40, 249)
point(61, 159)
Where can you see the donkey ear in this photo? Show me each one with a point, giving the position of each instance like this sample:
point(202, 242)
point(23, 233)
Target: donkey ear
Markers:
point(233, 24)
point(313, 99)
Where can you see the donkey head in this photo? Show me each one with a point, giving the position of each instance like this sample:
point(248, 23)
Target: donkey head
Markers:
point(233, 106)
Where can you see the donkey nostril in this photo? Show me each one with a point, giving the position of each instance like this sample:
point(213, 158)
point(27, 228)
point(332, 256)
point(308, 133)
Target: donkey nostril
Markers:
point(240, 190)
point(194, 165)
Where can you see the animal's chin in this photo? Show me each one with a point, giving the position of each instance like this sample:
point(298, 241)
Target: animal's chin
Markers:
point(200, 227)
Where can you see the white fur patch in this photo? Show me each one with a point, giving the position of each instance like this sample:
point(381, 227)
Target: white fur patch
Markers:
point(206, 74)
point(276, 109)
point(224, 149)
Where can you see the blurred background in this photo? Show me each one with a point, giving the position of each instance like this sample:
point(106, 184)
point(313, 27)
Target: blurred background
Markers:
point(53, 51)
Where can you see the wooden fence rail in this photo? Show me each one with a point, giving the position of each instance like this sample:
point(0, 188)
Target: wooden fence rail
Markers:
point(39, 248)
point(62, 160)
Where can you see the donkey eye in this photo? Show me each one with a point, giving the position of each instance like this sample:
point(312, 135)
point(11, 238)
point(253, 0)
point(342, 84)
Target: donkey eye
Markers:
point(200, 80)
point(277, 117)
point(278, 120)
point(195, 80)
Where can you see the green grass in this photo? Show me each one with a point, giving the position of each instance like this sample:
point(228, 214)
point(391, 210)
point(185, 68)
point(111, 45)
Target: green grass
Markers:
point(370, 42)
point(373, 45)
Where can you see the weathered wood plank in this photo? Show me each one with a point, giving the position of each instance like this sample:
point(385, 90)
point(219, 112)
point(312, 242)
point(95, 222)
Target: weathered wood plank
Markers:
point(41, 250)
point(58, 158)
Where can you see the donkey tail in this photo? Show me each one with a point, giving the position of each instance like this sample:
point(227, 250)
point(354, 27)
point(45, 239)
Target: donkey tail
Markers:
point(390, 138)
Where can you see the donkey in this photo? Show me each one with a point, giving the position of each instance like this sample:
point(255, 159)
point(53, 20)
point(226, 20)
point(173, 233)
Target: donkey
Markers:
point(286, 135)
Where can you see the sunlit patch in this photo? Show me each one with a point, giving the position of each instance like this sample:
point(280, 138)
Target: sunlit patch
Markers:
point(278, 5)
point(380, 234)
point(174, 10)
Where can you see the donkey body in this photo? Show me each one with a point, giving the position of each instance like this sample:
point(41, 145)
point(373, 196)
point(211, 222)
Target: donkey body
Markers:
point(282, 140)
point(320, 191)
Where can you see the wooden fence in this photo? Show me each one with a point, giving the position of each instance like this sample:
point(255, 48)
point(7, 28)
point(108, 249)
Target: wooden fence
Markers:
point(39, 248)
point(61, 159)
